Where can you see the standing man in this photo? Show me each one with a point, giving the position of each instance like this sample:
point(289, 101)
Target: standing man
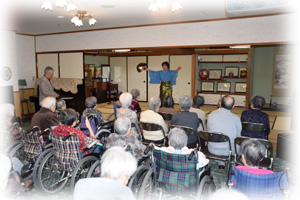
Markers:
point(45, 87)
point(166, 78)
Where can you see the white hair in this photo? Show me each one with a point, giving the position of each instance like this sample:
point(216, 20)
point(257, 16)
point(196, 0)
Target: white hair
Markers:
point(125, 99)
point(185, 102)
point(48, 102)
point(7, 111)
point(122, 124)
point(178, 138)
point(5, 168)
point(116, 161)
point(48, 70)
point(154, 103)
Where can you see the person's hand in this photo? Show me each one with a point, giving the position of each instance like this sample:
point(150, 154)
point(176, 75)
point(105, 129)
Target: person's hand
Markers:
point(179, 68)
point(147, 69)
point(57, 95)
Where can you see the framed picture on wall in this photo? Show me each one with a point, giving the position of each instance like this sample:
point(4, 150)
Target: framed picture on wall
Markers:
point(207, 86)
point(215, 74)
point(232, 71)
point(223, 87)
point(240, 87)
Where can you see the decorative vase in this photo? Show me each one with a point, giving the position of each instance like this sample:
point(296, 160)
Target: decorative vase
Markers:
point(203, 74)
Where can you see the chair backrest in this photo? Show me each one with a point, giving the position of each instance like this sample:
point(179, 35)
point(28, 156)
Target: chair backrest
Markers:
point(209, 136)
point(32, 144)
point(187, 130)
point(260, 186)
point(267, 144)
point(138, 130)
point(202, 124)
point(166, 116)
point(151, 127)
point(67, 152)
point(254, 127)
point(175, 173)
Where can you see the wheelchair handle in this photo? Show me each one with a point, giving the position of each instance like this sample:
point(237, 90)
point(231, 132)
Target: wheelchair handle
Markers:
point(35, 128)
point(150, 147)
point(106, 123)
point(44, 132)
point(194, 152)
point(68, 136)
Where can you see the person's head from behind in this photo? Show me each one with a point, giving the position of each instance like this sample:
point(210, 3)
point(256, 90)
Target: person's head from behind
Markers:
point(125, 99)
point(227, 102)
point(91, 102)
point(69, 117)
point(61, 104)
point(154, 103)
point(198, 101)
point(49, 103)
point(185, 102)
point(169, 102)
point(122, 125)
point(135, 93)
point(178, 138)
point(257, 102)
point(48, 72)
point(252, 152)
point(7, 111)
point(118, 164)
point(165, 65)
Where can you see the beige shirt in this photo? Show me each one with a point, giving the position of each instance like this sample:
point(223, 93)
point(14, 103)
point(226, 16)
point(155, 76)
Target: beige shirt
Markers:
point(201, 115)
point(150, 116)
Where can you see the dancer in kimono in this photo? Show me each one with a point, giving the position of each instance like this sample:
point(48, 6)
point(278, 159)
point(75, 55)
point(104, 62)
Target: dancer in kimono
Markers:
point(166, 78)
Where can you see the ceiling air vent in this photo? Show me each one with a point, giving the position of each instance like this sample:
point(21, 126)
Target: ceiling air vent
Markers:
point(243, 8)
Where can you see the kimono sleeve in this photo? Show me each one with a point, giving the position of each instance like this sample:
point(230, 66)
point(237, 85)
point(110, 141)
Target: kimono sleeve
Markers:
point(174, 75)
point(154, 77)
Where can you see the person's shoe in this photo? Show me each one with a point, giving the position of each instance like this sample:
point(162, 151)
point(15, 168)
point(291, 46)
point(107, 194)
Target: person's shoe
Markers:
point(221, 167)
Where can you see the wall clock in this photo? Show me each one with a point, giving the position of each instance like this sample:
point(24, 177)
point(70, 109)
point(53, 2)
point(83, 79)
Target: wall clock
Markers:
point(6, 73)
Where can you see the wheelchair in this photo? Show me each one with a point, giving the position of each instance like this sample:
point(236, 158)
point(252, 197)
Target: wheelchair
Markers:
point(174, 175)
point(29, 151)
point(7, 142)
point(65, 163)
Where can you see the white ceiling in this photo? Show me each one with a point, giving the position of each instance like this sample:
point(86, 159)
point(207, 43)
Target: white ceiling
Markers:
point(31, 19)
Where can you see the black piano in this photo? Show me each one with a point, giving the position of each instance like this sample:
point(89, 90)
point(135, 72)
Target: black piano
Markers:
point(75, 101)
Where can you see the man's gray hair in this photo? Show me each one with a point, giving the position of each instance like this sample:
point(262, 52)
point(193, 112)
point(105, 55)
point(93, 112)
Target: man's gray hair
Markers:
point(122, 124)
point(7, 111)
point(253, 152)
point(154, 103)
point(185, 102)
point(116, 161)
point(135, 93)
point(125, 99)
point(48, 70)
point(48, 102)
point(90, 102)
point(178, 138)
point(60, 104)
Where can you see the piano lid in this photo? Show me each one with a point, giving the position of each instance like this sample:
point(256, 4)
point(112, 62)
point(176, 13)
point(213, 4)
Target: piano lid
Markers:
point(65, 84)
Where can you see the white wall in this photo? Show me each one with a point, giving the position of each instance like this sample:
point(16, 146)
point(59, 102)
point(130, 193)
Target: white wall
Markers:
point(234, 31)
point(26, 59)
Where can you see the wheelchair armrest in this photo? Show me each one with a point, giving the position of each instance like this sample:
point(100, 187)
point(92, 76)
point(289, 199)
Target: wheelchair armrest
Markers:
point(108, 118)
point(150, 147)
point(91, 144)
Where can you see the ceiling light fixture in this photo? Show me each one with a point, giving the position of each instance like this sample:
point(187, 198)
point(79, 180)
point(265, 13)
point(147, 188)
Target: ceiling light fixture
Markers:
point(77, 19)
point(159, 4)
point(47, 5)
point(121, 50)
point(240, 47)
point(61, 3)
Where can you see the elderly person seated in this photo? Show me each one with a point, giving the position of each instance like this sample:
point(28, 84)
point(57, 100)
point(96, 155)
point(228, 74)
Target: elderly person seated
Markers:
point(117, 166)
point(69, 119)
point(255, 115)
point(60, 105)
point(91, 105)
point(8, 132)
point(168, 106)
point(45, 117)
point(151, 116)
point(124, 111)
point(124, 137)
point(199, 101)
point(186, 118)
point(135, 106)
point(178, 145)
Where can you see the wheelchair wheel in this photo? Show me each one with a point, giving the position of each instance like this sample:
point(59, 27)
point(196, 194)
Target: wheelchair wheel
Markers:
point(147, 184)
point(134, 182)
point(50, 178)
point(95, 170)
point(11, 146)
point(37, 164)
point(81, 170)
point(206, 187)
point(18, 152)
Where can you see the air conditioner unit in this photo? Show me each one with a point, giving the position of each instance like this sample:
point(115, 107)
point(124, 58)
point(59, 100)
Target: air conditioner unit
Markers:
point(243, 8)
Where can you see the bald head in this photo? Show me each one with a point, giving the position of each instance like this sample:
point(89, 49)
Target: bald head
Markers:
point(227, 102)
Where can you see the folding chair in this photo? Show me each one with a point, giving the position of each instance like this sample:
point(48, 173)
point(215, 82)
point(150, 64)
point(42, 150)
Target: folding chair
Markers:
point(153, 127)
